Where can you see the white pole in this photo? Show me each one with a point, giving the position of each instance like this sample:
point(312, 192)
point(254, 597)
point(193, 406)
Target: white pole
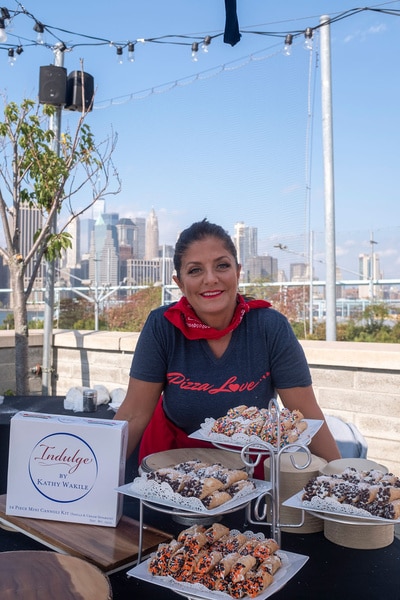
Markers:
point(311, 275)
point(327, 139)
point(55, 126)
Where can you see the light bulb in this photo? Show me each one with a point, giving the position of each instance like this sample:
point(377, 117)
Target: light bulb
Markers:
point(120, 58)
point(131, 52)
point(39, 28)
point(11, 57)
point(287, 49)
point(308, 34)
point(195, 49)
point(3, 35)
point(206, 43)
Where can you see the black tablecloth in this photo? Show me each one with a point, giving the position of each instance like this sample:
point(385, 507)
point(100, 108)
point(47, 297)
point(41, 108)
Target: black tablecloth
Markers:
point(331, 573)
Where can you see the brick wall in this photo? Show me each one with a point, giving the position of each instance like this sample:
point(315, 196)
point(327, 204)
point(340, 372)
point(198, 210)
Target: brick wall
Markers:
point(358, 382)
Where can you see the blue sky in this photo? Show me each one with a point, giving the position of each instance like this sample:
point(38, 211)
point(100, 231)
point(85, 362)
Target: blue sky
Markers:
point(236, 136)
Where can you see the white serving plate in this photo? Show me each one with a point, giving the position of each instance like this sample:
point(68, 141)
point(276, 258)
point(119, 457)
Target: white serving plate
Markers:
point(291, 564)
point(165, 496)
point(337, 512)
point(239, 439)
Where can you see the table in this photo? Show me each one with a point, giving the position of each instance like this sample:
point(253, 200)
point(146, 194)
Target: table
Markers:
point(47, 575)
point(331, 572)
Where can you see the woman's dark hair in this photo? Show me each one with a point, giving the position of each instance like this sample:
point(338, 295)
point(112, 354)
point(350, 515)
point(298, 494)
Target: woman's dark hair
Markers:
point(196, 232)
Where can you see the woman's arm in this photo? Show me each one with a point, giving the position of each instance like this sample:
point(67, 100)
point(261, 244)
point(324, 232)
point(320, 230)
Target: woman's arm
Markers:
point(137, 408)
point(303, 399)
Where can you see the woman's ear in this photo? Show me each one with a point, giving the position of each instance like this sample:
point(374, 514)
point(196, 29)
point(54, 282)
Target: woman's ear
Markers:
point(177, 281)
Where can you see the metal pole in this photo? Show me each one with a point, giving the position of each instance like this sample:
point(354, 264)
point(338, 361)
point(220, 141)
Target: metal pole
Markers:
point(55, 126)
point(311, 260)
point(327, 139)
point(96, 295)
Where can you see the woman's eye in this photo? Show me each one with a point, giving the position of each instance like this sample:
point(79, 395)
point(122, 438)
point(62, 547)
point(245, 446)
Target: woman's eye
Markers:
point(223, 266)
point(194, 271)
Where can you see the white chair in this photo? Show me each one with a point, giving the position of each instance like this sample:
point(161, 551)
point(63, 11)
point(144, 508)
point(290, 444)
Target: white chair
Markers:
point(349, 439)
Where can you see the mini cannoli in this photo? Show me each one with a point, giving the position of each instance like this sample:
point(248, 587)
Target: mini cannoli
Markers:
point(241, 567)
point(265, 548)
point(234, 542)
point(166, 475)
point(195, 487)
point(216, 499)
point(195, 542)
point(392, 510)
point(158, 564)
point(216, 532)
point(388, 493)
point(236, 411)
point(271, 564)
point(177, 561)
point(237, 487)
point(223, 568)
point(190, 465)
point(207, 561)
point(190, 531)
point(248, 547)
point(256, 582)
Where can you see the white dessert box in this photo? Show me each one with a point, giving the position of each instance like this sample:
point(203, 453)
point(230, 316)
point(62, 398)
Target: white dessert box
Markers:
point(66, 468)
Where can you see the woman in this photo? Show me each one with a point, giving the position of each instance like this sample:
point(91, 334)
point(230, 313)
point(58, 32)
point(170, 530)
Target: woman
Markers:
point(212, 351)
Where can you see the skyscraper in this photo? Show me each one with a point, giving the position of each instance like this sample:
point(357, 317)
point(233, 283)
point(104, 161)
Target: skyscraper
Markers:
point(246, 244)
point(30, 221)
point(103, 263)
point(152, 236)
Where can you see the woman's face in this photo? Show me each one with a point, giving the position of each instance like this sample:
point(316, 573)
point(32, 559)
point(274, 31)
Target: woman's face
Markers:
point(209, 279)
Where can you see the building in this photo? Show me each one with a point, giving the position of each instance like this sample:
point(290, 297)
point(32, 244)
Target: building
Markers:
point(246, 244)
point(262, 268)
point(104, 261)
point(30, 221)
point(146, 272)
point(369, 269)
point(139, 249)
point(152, 236)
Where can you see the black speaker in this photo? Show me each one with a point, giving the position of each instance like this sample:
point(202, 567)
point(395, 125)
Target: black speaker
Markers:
point(53, 85)
point(80, 91)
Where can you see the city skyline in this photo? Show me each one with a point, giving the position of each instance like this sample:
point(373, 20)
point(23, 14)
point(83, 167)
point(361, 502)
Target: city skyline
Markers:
point(236, 135)
point(245, 239)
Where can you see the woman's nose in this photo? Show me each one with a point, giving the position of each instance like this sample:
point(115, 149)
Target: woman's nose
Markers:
point(210, 276)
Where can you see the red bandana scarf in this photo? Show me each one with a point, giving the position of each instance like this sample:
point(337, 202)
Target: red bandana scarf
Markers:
point(185, 319)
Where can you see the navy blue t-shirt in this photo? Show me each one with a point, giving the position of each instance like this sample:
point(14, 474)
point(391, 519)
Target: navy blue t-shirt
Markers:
point(263, 354)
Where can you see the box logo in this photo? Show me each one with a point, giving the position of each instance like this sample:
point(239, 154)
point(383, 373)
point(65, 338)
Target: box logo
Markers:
point(63, 467)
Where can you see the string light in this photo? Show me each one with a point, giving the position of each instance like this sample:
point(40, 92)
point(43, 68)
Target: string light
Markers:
point(131, 52)
point(39, 28)
point(308, 34)
point(11, 57)
point(206, 43)
point(195, 49)
point(287, 49)
point(120, 59)
point(90, 40)
point(3, 35)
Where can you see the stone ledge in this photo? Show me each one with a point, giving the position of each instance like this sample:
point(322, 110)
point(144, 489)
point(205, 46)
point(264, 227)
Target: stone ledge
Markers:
point(362, 355)
point(7, 338)
point(96, 340)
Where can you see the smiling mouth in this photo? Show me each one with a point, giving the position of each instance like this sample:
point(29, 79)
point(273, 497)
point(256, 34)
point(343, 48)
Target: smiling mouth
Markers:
point(211, 294)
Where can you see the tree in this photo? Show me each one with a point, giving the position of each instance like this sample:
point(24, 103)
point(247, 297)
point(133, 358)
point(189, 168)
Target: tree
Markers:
point(35, 176)
point(133, 312)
